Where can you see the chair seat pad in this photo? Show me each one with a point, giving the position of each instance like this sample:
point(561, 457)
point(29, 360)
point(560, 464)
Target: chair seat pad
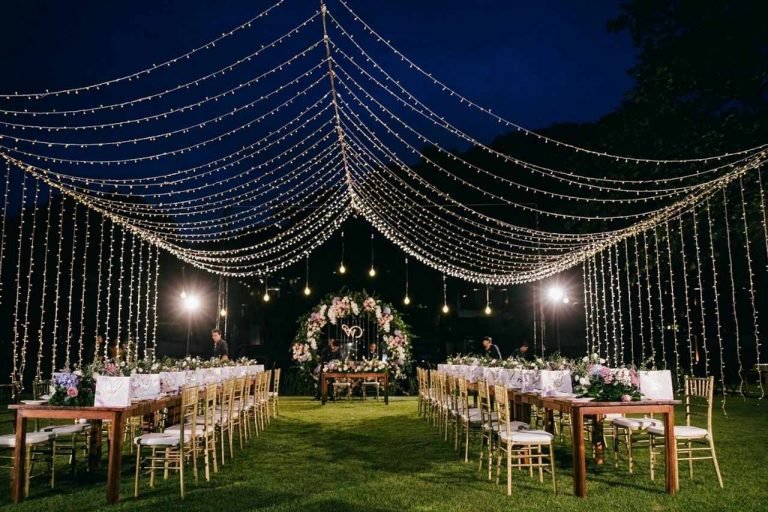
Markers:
point(273, 394)
point(176, 429)
point(681, 432)
point(637, 423)
point(171, 438)
point(526, 437)
point(66, 430)
point(612, 416)
point(9, 440)
point(513, 425)
point(371, 383)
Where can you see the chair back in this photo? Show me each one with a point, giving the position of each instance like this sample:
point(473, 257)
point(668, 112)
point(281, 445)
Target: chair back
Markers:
point(440, 389)
point(463, 396)
point(40, 388)
point(226, 398)
point(450, 392)
point(276, 381)
point(484, 398)
point(699, 396)
point(238, 394)
point(189, 400)
point(209, 406)
point(502, 407)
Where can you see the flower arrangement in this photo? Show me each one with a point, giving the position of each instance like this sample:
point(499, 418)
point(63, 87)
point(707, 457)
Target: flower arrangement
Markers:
point(392, 331)
point(608, 384)
point(364, 366)
point(73, 389)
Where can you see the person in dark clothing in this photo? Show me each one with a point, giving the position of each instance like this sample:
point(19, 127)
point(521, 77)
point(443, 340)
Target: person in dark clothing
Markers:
point(491, 349)
point(332, 351)
point(220, 348)
point(373, 352)
point(523, 352)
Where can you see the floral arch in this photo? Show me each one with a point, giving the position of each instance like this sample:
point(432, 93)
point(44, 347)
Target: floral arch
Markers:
point(391, 332)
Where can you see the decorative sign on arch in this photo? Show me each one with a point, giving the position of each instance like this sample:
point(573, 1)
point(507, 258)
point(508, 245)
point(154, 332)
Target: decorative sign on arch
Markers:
point(366, 327)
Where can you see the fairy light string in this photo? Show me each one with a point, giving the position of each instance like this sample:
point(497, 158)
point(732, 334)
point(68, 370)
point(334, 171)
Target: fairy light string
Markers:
point(734, 299)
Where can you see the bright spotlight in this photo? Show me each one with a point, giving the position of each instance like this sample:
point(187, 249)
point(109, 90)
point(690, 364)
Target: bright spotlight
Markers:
point(266, 297)
point(307, 291)
point(406, 300)
point(445, 308)
point(191, 303)
point(555, 294)
point(488, 310)
point(342, 269)
point(183, 295)
point(372, 272)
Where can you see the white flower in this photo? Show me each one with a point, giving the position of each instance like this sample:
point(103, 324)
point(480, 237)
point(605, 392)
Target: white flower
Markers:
point(602, 360)
point(585, 359)
point(584, 381)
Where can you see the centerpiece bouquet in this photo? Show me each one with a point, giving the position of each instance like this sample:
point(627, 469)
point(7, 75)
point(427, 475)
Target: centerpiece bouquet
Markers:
point(73, 389)
point(595, 380)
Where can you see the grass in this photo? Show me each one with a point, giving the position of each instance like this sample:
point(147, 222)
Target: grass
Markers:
point(367, 456)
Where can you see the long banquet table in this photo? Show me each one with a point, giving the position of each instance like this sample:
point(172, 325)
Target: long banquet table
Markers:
point(377, 376)
point(117, 415)
point(579, 410)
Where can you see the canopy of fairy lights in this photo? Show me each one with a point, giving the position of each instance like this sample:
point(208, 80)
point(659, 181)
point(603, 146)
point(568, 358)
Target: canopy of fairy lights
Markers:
point(245, 168)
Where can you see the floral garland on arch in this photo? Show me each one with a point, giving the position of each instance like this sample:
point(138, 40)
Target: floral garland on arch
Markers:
point(391, 330)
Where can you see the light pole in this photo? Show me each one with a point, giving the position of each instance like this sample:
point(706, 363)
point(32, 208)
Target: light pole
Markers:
point(190, 303)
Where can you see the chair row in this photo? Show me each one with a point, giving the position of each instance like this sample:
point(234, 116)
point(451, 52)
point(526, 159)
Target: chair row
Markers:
point(443, 400)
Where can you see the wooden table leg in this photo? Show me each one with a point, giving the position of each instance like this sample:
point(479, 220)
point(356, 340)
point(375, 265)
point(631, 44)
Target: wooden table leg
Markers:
point(323, 388)
point(579, 455)
point(19, 459)
point(94, 446)
point(115, 457)
point(597, 439)
point(670, 449)
point(386, 388)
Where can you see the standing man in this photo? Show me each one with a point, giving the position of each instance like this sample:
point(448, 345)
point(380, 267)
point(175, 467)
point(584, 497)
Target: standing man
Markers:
point(220, 348)
point(491, 349)
point(522, 352)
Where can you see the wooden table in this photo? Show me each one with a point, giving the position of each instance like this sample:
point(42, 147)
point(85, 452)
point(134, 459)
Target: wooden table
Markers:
point(117, 415)
point(579, 410)
point(384, 376)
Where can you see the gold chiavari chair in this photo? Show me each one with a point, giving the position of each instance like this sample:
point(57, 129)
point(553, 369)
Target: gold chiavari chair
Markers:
point(690, 439)
point(264, 402)
point(224, 417)
point(467, 418)
point(209, 428)
point(432, 377)
point(175, 444)
point(274, 395)
point(452, 410)
point(38, 449)
point(422, 401)
point(523, 448)
point(249, 398)
point(490, 424)
point(238, 407)
point(442, 402)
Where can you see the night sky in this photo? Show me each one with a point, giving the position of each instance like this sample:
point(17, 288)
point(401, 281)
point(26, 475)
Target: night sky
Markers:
point(535, 63)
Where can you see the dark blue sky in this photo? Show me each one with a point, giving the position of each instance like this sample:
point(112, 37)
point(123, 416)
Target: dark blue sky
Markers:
point(534, 62)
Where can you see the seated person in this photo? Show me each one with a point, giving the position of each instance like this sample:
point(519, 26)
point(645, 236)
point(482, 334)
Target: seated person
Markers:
point(373, 351)
point(491, 350)
point(332, 351)
point(523, 351)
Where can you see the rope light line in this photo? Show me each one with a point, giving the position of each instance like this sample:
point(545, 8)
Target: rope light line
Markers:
point(660, 290)
point(16, 380)
point(81, 337)
point(6, 190)
point(69, 335)
point(44, 290)
point(146, 71)
point(503, 121)
point(689, 325)
point(55, 337)
point(630, 311)
point(30, 275)
point(750, 275)
point(702, 307)
point(675, 342)
point(563, 176)
point(716, 301)
point(737, 333)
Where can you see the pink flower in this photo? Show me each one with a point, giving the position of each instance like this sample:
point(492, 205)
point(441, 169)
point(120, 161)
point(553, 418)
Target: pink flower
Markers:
point(110, 369)
point(72, 391)
point(626, 398)
point(369, 304)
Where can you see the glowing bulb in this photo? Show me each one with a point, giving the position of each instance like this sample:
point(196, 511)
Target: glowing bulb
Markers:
point(223, 312)
point(307, 291)
point(372, 272)
point(183, 295)
point(191, 303)
point(342, 269)
point(445, 308)
point(555, 294)
point(406, 300)
point(266, 297)
point(566, 300)
point(488, 310)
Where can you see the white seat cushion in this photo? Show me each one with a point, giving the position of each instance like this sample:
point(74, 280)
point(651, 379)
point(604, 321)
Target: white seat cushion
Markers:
point(66, 430)
point(681, 432)
point(170, 438)
point(526, 437)
point(273, 394)
point(513, 425)
point(176, 429)
point(637, 423)
point(612, 416)
point(9, 440)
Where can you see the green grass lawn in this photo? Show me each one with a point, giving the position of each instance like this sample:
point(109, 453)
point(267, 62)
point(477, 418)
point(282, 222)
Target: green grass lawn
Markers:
point(371, 457)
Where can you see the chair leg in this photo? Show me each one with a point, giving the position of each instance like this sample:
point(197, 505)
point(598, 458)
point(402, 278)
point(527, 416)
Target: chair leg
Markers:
point(28, 470)
point(651, 456)
point(181, 474)
point(509, 470)
point(714, 461)
point(552, 467)
point(138, 472)
point(152, 468)
point(630, 457)
point(466, 444)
